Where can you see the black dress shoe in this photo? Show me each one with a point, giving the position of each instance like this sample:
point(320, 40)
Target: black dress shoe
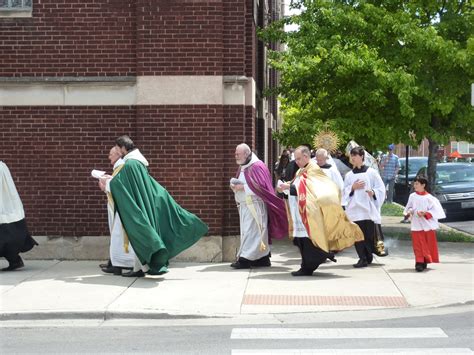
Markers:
point(138, 273)
point(361, 263)
point(262, 262)
point(370, 258)
point(13, 266)
point(241, 263)
point(112, 270)
point(425, 265)
point(302, 272)
point(419, 267)
point(102, 266)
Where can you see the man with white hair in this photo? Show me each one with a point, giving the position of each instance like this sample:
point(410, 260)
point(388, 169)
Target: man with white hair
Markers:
point(14, 235)
point(330, 170)
point(157, 227)
point(317, 220)
point(122, 255)
point(262, 213)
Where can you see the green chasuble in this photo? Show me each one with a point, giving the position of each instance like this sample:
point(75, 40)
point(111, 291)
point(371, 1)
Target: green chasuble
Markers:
point(157, 227)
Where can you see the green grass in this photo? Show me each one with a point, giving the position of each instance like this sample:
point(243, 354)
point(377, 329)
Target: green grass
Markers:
point(392, 209)
point(441, 236)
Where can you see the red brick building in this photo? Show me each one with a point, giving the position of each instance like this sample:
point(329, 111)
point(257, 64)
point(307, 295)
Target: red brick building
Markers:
point(184, 78)
point(445, 152)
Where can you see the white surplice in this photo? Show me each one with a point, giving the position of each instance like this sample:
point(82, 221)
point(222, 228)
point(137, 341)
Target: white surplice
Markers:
point(252, 231)
point(11, 207)
point(360, 206)
point(424, 203)
point(299, 230)
point(118, 256)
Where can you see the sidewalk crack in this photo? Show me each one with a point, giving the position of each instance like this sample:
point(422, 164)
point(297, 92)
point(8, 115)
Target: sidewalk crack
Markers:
point(106, 310)
point(394, 283)
point(245, 291)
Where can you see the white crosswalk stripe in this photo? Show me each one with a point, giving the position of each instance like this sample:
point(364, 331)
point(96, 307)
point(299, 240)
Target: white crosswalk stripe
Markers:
point(400, 351)
point(343, 333)
point(335, 333)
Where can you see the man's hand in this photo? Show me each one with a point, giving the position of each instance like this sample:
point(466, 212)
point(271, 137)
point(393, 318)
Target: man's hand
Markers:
point(285, 186)
point(237, 187)
point(371, 193)
point(102, 184)
point(103, 181)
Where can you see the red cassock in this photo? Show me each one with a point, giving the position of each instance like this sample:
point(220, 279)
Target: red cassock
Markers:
point(425, 246)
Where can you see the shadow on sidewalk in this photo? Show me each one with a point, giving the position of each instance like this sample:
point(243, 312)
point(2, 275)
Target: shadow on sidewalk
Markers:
point(286, 276)
point(406, 271)
point(112, 280)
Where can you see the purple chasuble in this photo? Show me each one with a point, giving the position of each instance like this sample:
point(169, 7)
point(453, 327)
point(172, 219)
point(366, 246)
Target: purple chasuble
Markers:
point(260, 182)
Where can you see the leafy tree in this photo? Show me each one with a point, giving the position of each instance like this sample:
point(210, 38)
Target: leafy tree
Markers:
point(379, 71)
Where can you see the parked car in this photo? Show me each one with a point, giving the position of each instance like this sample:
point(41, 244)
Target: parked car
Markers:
point(402, 190)
point(454, 188)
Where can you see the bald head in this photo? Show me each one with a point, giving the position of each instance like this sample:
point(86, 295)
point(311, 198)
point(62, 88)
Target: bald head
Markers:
point(302, 156)
point(242, 152)
point(114, 154)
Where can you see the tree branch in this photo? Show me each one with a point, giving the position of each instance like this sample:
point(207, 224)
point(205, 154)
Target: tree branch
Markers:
point(441, 11)
point(461, 5)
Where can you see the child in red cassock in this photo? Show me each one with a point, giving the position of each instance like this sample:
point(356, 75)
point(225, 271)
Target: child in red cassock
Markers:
point(425, 211)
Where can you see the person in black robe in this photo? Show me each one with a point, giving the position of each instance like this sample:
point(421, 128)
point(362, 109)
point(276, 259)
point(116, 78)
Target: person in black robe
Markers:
point(14, 235)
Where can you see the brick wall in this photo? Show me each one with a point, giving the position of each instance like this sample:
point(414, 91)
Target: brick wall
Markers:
point(51, 151)
point(179, 37)
point(235, 118)
point(70, 38)
point(184, 145)
point(234, 37)
point(120, 37)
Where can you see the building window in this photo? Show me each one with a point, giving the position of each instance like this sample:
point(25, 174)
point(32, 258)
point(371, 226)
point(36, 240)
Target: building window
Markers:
point(462, 147)
point(16, 8)
point(15, 4)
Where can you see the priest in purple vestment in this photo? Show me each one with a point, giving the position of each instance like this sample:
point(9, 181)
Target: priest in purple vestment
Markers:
point(262, 213)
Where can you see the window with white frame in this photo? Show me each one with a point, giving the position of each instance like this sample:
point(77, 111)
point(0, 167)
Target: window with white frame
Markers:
point(15, 4)
point(462, 147)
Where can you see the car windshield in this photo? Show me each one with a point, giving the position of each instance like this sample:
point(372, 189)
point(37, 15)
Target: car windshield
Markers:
point(413, 165)
point(454, 174)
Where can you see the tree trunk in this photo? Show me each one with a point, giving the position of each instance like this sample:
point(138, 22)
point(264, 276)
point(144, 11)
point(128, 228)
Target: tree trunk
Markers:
point(432, 162)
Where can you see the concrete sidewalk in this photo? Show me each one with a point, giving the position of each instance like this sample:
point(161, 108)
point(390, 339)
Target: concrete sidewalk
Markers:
point(79, 290)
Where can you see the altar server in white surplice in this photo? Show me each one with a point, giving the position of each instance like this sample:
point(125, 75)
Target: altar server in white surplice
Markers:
point(424, 210)
point(364, 194)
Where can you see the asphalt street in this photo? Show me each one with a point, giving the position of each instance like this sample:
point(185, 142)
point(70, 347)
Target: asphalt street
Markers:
point(448, 333)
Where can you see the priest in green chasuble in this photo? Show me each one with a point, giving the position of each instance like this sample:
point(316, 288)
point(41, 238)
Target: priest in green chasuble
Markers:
point(157, 227)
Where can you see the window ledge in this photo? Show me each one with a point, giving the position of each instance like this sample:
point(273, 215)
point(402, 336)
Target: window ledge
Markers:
point(14, 13)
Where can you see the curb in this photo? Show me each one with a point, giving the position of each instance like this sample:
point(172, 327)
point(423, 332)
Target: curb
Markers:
point(103, 316)
point(96, 315)
point(405, 228)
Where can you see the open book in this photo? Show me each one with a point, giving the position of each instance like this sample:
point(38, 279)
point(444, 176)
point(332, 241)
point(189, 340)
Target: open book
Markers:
point(97, 173)
point(279, 183)
point(235, 181)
